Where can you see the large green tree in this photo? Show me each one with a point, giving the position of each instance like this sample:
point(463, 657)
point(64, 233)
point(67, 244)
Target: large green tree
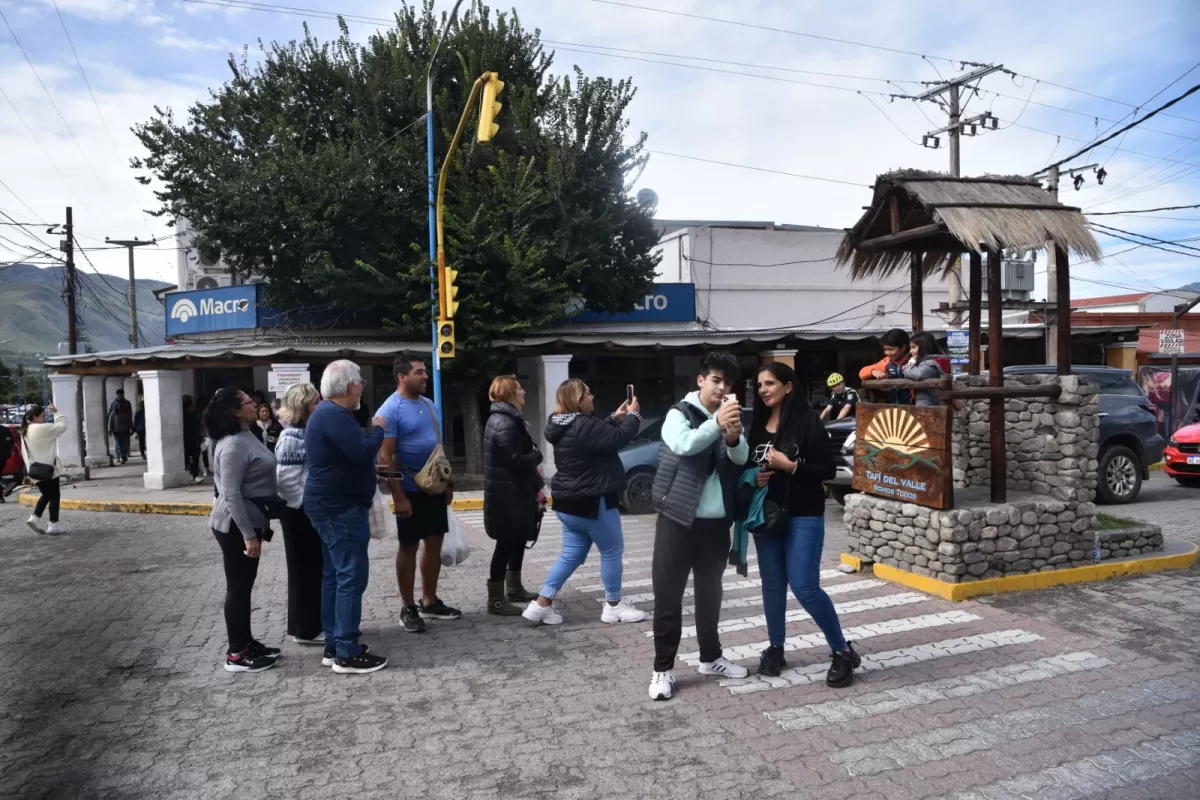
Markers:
point(308, 167)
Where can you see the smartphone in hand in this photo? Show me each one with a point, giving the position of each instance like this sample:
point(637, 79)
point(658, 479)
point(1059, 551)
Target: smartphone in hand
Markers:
point(629, 393)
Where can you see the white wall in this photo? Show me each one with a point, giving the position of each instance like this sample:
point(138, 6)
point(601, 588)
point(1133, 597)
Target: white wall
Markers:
point(755, 278)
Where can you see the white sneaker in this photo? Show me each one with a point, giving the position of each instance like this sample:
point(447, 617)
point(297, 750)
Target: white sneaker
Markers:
point(724, 668)
point(624, 611)
point(36, 524)
point(543, 614)
point(318, 639)
point(55, 528)
point(661, 684)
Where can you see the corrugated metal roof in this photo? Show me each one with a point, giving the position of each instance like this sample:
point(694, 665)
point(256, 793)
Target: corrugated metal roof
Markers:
point(254, 348)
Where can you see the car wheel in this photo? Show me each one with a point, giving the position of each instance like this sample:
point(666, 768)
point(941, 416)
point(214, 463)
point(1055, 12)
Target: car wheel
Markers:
point(1191, 483)
point(840, 493)
point(1120, 477)
point(638, 495)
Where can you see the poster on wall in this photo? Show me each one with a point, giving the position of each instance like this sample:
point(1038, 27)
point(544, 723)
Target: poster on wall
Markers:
point(958, 343)
point(901, 453)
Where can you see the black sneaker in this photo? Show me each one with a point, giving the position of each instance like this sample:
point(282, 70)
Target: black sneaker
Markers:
point(439, 610)
point(841, 671)
point(248, 661)
point(772, 661)
point(330, 655)
point(361, 664)
point(258, 648)
point(410, 620)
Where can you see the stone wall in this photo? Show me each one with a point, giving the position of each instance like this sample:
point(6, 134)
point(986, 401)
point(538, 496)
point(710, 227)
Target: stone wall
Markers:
point(1052, 445)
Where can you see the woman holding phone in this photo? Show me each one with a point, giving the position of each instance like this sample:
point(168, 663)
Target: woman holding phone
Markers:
point(794, 453)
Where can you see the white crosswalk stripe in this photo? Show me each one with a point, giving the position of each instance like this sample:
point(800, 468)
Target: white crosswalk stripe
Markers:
point(868, 631)
point(757, 600)
point(631, 554)
point(888, 659)
point(599, 587)
point(733, 586)
point(872, 704)
point(798, 615)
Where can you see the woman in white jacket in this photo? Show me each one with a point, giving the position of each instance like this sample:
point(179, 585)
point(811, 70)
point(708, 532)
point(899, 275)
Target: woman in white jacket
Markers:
point(302, 545)
point(39, 445)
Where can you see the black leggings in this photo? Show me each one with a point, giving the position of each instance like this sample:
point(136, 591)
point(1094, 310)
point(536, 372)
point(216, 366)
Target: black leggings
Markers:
point(51, 495)
point(240, 572)
point(506, 556)
point(305, 566)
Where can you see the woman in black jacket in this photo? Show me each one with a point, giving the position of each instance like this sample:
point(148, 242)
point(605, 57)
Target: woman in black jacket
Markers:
point(512, 486)
point(584, 489)
point(794, 453)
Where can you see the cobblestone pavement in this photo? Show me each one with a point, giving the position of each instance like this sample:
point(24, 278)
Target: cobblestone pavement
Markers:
point(110, 685)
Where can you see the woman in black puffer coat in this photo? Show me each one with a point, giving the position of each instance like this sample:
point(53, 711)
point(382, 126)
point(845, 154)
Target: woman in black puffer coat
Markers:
point(512, 493)
point(585, 488)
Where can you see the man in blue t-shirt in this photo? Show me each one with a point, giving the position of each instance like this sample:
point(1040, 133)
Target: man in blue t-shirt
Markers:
point(408, 441)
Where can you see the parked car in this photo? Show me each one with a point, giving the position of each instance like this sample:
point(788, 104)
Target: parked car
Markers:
point(12, 471)
point(841, 433)
point(1181, 459)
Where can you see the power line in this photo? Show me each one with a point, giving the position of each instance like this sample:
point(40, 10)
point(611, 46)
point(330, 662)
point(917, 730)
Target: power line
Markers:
point(1137, 211)
point(86, 82)
point(1107, 228)
point(10, 190)
point(759, 169)
point(38, 142)
point(1076, 139)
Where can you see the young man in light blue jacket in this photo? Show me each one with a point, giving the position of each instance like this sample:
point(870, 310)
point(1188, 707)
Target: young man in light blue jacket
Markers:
point(702, 454)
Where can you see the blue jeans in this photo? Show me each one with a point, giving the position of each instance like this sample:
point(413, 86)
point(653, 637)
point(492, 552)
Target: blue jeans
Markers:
point(578, 535)
point(795, 559)
point(344, 540)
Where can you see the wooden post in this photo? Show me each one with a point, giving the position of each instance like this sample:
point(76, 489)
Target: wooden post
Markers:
point(1062, 278)
point(996, 378)
point(975, 314)
point(917, 297)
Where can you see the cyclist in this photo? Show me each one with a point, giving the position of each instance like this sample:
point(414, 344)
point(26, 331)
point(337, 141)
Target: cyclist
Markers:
point(842, 399)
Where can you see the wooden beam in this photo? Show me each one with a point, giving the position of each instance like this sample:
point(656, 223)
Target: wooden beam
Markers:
point(894, 211)
point(1062, 279)
point(916, 271)
point(893, 239)
point(975, 312)
point(888, 384)
point(996, 378)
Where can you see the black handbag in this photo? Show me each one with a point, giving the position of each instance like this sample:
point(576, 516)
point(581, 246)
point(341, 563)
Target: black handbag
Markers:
point(271, 507)
point(775, 520)
point(41, 472)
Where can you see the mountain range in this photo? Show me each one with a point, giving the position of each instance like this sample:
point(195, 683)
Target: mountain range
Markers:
point(33, 312)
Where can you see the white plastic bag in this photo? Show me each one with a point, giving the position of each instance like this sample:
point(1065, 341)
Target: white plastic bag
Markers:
point(383, 521)
point(454, 547)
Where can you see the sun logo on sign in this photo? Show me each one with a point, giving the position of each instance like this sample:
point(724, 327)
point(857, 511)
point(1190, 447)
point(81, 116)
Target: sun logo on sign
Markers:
point(184, 310)
point(896, 430)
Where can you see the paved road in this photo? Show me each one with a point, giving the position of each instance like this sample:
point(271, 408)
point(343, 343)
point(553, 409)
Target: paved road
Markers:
point(111, 686)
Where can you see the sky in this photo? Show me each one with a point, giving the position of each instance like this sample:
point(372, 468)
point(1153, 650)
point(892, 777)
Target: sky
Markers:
point(763, 86)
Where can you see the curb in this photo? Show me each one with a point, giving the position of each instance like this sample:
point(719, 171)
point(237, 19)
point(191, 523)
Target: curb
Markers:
point(1186, 556)
point(179, 509)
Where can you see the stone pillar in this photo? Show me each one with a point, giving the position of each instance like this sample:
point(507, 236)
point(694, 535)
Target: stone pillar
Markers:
point(63, 390)
point(783, 356)
point(552, 371)
point(95, 412)
point(164, 429)
point(1123, 355)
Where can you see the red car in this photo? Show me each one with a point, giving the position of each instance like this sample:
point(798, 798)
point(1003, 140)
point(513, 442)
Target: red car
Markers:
point(12, 471)
point(1181, 459)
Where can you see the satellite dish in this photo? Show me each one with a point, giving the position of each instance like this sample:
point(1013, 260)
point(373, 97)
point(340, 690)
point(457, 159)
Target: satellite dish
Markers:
point(647, 198)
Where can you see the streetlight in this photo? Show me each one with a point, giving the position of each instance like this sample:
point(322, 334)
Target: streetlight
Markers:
point(433, 286)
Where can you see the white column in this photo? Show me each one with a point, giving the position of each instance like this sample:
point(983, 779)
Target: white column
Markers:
point(95, 412)
point(62, 390)
point(552, 370)
point(163, 390)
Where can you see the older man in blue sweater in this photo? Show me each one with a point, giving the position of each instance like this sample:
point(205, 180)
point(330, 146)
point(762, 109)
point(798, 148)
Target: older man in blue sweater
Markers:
point(337, 498)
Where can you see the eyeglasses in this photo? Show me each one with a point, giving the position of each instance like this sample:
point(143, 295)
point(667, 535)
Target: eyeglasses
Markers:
point(248, 402)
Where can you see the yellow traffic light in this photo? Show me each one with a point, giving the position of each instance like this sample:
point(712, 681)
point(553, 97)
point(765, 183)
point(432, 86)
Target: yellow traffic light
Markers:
point(445, 337)
point(489, 108)
point(451, 289)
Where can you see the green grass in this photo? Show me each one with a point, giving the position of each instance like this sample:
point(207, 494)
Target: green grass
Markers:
point(1107, 522)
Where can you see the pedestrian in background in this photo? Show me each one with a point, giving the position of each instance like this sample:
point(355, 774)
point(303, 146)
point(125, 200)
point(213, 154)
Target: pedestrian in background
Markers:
point(512, 488)
point(242, 469)
point(39, 448)
point(301, 542)
point(139, 426)
point(586, 488)
point(191, 438)
point(268, 426)
point(338, 493)
point(120, 425)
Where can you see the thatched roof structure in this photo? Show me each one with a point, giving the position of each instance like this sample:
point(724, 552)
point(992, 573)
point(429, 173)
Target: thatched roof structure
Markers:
point(942, 216)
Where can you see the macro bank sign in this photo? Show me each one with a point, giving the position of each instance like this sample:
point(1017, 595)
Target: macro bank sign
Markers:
point(207, 310)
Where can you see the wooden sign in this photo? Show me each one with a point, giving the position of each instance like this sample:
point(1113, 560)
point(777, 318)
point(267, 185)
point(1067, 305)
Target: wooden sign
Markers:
point(903, 453)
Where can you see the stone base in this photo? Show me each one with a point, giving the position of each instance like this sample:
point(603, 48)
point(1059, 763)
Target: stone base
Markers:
point(98, 461)
point(979, 540)
point(166, 480)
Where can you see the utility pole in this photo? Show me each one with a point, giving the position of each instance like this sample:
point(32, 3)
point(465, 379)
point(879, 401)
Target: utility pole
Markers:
point(955, 128)
point(133, 323)
point(68, 248)
point(1052, 176)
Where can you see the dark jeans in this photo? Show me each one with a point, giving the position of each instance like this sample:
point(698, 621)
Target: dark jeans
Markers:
point(305, 564)
point(191, 460)
point(122, 445)
point(506, 556)
point(51, 495)
point(240, 573)
point(142, 443)
point(702, 549)
point(344, 540)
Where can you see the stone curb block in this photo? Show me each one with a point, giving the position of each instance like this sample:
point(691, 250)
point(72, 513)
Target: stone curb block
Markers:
point(178, 509)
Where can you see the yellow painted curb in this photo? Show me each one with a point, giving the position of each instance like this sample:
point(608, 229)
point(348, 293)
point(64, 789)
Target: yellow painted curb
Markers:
point(852, 561)
point(1154, 467)
point(1039, 580)
point(178, 509)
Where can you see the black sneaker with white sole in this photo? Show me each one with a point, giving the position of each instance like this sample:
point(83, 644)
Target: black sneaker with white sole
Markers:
point(410, 620)
point(330, 655)
point(439, 610)
point(361, 664)
point(772, 661)
point(842, 666)
point(258, 648)
point(248, 661)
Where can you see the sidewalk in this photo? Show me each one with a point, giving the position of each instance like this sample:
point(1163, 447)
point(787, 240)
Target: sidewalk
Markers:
point(120, 489)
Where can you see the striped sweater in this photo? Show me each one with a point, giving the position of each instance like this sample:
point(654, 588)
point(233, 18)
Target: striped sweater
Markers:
point(291, 470)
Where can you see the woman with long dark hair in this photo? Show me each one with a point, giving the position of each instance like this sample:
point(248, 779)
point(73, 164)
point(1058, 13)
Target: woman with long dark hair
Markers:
point(922, 366)
point(243, 469)
point(793, 451)
point(39, 448)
